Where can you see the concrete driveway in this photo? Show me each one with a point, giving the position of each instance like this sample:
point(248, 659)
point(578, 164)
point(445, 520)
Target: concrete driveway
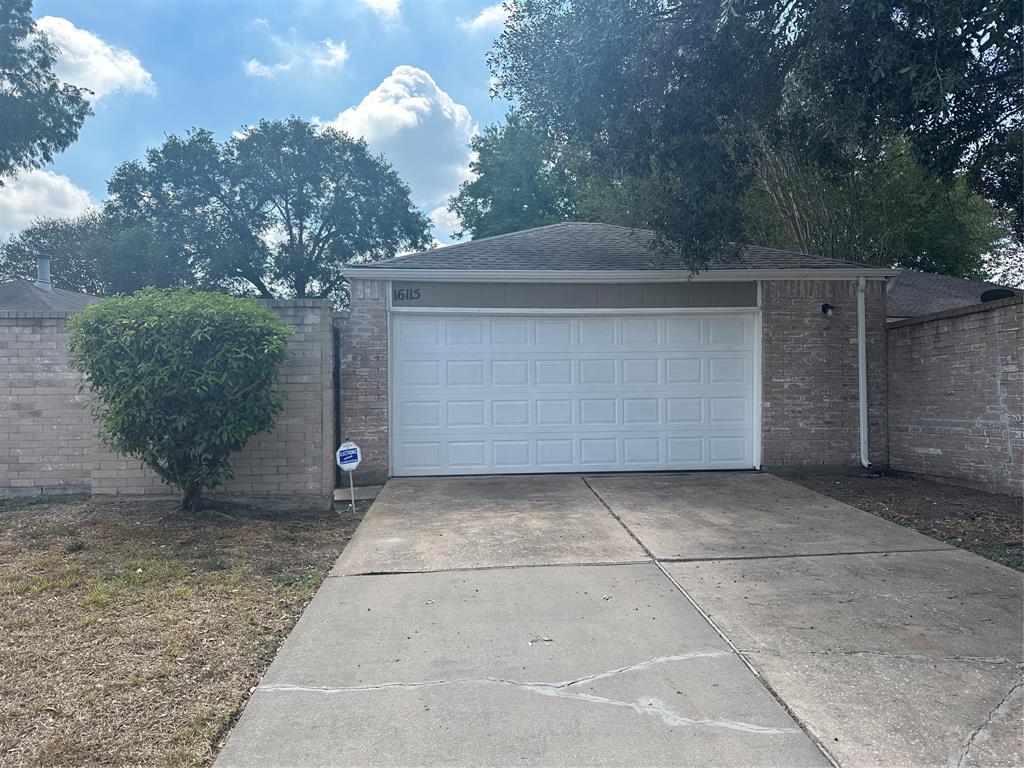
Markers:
point(696, 619)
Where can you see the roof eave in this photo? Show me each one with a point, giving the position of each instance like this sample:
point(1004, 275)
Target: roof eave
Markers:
point(612, 276)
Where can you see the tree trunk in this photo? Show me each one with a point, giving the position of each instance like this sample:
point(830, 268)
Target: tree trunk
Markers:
point(191, 499)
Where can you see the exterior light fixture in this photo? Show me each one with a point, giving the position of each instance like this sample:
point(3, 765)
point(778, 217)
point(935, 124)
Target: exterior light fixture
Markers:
point(826, 309)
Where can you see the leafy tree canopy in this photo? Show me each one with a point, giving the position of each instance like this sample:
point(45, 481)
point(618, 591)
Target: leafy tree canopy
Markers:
point(94, 254)
point(686, 95)
point(521, 180)
point(181, 380)
point(39, 115)
point(886, 210)
point(279, 209)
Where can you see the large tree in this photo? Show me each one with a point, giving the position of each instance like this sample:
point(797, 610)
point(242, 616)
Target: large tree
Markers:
point(520, 180)
point(280, 208)
point(93, 253)
point(886, 210)
point(685, 94)
point(39, 115)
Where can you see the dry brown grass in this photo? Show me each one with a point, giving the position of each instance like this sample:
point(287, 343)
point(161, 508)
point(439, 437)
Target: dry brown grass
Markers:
point(132, 634)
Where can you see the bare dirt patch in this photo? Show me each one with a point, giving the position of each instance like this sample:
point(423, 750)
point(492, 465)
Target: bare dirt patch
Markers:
point(988, 524)
point(133, 634)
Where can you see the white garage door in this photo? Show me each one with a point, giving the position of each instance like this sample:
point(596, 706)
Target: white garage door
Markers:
point(479, 393)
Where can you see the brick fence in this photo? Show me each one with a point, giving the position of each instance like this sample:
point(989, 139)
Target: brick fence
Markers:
point(956, 395)
point(49, 442)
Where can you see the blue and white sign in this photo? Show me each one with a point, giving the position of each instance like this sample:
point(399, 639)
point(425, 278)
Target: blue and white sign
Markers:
point(349, 456)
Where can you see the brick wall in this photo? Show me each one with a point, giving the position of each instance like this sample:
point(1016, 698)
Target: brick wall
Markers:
point(47, 438)
point(293, 461)
point(810, 406)
point(364, 377)
point(956, 395)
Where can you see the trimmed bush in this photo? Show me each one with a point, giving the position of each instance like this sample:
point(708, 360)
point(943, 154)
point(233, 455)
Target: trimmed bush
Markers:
point(181, 379)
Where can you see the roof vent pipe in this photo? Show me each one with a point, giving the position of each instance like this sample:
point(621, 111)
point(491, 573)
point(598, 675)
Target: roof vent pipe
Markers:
point(43, 273)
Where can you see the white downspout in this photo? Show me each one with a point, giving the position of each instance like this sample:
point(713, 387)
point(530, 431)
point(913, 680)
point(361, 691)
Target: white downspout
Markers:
point(862, 371)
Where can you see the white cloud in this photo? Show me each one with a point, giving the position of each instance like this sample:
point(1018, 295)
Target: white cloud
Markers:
point(34, 194)
point(490, 19)
point(296, 56)
point(388, 11)
point(86, 61)
point(419, 128)
point(445, 222)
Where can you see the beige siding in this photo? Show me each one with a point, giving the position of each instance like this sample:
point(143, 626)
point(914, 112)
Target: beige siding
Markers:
point(574, 295)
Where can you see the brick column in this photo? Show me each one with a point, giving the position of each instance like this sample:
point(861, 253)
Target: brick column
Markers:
point(364, 377)
point(810, 405)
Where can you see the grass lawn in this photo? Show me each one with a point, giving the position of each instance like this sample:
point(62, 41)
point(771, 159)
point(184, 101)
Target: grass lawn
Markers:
point(988, 524)
point(133, 634)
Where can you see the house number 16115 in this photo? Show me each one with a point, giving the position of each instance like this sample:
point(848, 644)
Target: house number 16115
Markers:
point(406, 294)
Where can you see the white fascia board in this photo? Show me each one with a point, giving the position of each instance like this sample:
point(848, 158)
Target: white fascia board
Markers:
point(612, 276)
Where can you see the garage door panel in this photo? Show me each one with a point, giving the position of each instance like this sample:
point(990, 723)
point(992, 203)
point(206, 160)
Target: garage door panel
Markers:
point(510, 332)
point(729, 370)
point(559, 454)
point(451, 409)
point(641, 371)
point(598, 331)
point(468, 332)
point(598, 371)
point(532, 394)
point(684, 331)
point(553, 373)
point(510, 413)
point(553, 332)
point(419, 373)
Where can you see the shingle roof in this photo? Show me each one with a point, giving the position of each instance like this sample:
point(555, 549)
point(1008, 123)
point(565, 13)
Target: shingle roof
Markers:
point(912, 294)
point(23, 296)
point(586, 246)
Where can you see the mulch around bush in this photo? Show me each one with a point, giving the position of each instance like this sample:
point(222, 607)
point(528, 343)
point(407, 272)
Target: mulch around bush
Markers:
point(988, 524)
point(133, 633)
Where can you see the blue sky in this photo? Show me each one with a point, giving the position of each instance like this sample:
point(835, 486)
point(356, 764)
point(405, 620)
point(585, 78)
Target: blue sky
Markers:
point(408, 75)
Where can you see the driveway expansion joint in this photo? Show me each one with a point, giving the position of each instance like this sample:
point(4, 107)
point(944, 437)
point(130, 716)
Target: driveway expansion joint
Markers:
point(884, 552)
point(990, 660)
point(718, 630)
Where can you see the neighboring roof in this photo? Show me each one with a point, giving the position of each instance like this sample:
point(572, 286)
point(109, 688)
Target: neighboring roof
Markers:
point(24, 296)
point(912, 294)
point(573, 246)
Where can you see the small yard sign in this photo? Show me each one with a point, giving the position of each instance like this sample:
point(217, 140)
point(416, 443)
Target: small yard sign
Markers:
point(349, 457)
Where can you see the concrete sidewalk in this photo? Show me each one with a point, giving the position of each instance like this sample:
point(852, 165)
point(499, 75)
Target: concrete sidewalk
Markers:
point(542, 620)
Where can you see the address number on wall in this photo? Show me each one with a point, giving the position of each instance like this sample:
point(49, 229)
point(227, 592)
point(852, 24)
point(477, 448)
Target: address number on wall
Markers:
point(405, 294)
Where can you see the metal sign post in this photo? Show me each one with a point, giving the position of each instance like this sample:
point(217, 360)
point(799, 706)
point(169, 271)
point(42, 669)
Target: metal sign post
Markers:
point(349, 457)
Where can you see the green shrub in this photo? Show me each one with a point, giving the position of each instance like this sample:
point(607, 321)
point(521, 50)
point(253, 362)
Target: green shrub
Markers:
point(181, 379)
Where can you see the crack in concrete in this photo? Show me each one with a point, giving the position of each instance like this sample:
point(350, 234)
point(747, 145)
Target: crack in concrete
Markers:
point(652, 706)
point(638, 666)
point(883, 654)
point(999, 710)
point(647, 705)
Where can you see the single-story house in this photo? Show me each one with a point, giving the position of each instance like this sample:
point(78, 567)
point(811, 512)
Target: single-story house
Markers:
point(915, 294)
point(41, 296)
point(574, 347)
